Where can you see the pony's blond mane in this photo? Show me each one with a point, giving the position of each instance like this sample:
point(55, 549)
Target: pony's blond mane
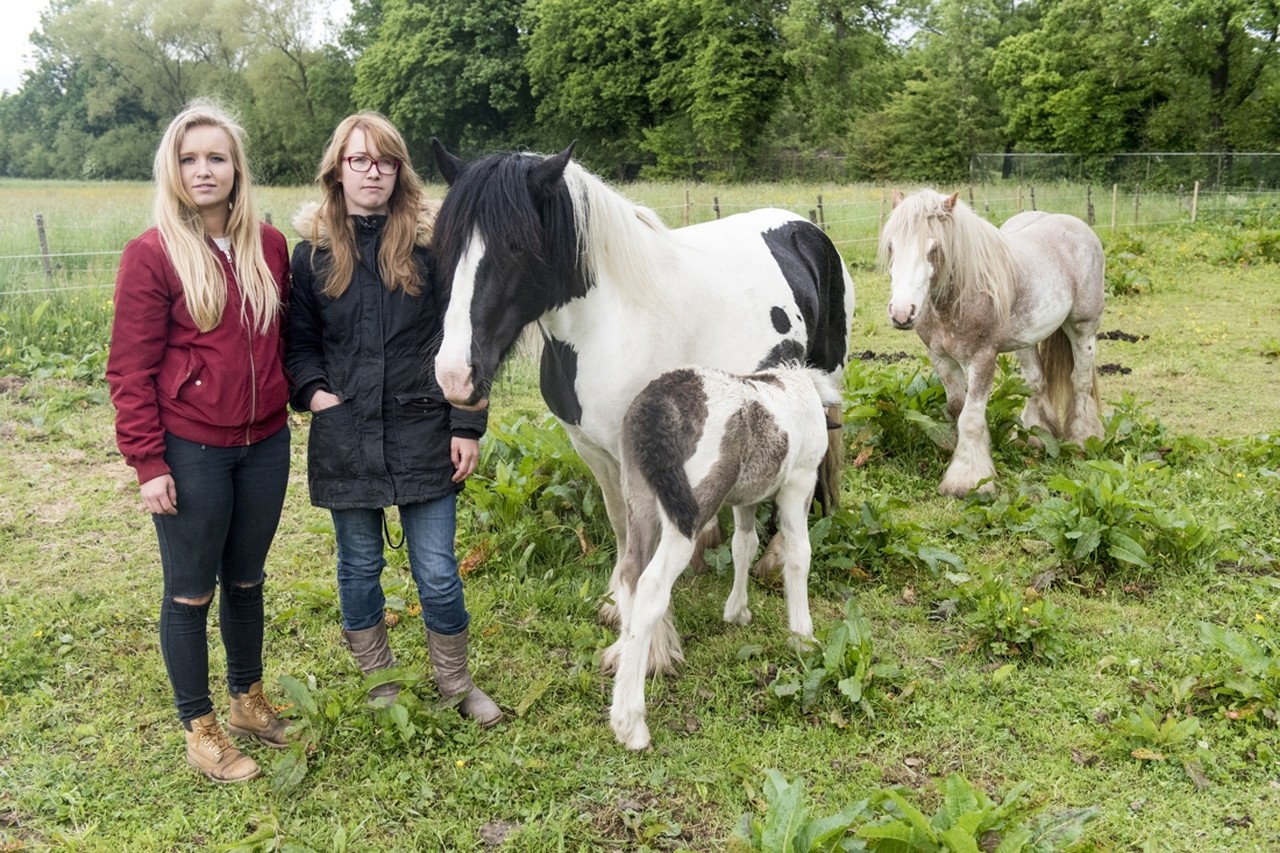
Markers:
point(973, 256)
point(609, 243)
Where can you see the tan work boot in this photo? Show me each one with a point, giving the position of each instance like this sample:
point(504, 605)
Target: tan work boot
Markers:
point(253, 716)
point(372, 653)
point(211, 752)
point(449, 657)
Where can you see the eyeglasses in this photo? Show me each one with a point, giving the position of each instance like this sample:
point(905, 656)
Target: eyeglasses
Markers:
point(361, 163)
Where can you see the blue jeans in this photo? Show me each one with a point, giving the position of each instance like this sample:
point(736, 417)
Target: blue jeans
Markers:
point(428, 534)
point(229, 503)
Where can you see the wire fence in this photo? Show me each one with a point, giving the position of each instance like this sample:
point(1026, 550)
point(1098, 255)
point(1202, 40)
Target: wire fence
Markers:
point(47, 257)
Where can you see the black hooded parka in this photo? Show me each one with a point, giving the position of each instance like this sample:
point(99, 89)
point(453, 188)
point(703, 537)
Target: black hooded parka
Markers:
point(388, 442)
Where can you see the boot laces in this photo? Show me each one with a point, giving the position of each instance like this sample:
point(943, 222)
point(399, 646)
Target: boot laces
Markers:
point(256, 705)
point(215, 738)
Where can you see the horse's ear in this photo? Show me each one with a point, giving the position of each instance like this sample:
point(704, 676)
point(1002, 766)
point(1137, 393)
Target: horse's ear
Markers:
point(448, 164)
point(949, 203)
point(898, 198)
point(549, 170)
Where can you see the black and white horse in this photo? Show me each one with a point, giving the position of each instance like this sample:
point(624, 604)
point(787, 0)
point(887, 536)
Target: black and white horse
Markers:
point(696, 439)
point(621, 299)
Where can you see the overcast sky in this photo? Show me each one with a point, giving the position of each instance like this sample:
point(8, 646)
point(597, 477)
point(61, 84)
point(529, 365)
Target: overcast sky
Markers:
point(21, 19)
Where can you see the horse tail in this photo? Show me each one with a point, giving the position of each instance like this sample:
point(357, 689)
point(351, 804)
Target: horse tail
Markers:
point(831, 468)
point(1058, 360)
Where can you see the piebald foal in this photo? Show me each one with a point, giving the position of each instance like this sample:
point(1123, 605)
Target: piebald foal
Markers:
point(693, 440)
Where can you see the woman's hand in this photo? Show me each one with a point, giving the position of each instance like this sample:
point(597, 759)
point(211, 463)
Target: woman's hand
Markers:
point(465, 453)
point(160, 496)
point(322, 400)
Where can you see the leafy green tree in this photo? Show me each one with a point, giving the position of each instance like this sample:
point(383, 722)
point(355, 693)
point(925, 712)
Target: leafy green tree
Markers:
point(299, 91)
point(841, 65)
point(948, 108)
point(591, 65)
point(1223, 75)
point(1083, 81)
point(448, 68)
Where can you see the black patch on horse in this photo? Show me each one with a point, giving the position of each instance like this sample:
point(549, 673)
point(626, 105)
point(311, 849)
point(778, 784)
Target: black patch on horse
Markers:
point(784, 351)
point(781, 322)
point(660, 432)
point(811, 264)
point(558, 373)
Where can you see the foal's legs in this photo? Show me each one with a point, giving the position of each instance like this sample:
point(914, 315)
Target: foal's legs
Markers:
point(745, 543)
point(649, 602)
point(971, 463)
point(793, 521)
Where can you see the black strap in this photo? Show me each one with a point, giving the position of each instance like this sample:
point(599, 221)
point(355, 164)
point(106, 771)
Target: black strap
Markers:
point(386, 533)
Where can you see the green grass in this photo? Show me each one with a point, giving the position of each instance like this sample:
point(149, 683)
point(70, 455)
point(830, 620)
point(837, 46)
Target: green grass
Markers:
point(91, 756)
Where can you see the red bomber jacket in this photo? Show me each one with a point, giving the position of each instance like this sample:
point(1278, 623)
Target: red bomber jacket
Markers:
point(223, 387)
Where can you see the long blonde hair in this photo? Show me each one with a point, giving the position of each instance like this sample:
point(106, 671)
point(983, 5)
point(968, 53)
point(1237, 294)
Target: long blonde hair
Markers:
point(332, 228)
point(185, 240)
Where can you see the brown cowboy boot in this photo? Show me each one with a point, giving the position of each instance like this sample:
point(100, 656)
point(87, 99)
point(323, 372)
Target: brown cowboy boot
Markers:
point(253, 716)
point(211, 752)
point(449, 657)
point(372, 653)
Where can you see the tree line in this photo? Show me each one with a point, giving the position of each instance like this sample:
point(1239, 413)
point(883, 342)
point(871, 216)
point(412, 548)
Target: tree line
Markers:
point(661, 89)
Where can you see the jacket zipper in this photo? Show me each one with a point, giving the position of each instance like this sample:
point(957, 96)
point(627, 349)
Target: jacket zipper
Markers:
point(253, 367)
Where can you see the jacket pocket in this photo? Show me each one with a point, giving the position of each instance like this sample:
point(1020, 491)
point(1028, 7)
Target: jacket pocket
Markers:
point(421, 433)
point(333, 447)
point(188, 376)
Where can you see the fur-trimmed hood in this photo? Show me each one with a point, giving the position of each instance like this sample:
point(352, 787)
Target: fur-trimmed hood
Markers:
point(307, 224)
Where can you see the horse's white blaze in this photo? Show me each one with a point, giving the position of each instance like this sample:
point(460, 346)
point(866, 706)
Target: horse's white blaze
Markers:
point(453, 361)
point(910, 273)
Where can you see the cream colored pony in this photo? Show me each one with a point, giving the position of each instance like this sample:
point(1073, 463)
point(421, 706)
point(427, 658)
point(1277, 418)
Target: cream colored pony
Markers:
point(1034, 287)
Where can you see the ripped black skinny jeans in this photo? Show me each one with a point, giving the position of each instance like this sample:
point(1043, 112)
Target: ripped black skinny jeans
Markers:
point(229, 502)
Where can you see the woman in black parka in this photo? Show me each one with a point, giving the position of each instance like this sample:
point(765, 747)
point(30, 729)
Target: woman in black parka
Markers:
point(363, 323)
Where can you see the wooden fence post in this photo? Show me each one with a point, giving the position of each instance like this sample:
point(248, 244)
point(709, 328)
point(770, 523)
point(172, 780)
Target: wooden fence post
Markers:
point(44, 248)
point(686, 205)
point(822, 217)
point(1032, 189)
point(1088, 204)
point(881, 228)
point(716, 205)
point(1137, 202)
point(1195, 200)
point(1115, 189)
point(1019, 210)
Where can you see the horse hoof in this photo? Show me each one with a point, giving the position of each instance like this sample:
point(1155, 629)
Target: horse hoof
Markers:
point(634, 737)
point(742, 617)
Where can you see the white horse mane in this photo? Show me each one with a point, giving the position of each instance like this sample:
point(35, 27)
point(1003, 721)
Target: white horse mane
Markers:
point(610, 245)
point(973, 256)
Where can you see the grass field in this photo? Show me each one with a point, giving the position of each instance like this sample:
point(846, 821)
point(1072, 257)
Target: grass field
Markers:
point(1137, 699)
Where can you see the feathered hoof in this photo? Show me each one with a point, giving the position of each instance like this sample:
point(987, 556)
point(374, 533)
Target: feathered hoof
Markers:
point(631, 731)
point(609, 615)
point(957, 488)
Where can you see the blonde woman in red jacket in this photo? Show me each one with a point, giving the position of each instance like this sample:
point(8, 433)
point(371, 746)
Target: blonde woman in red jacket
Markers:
point(200, 396)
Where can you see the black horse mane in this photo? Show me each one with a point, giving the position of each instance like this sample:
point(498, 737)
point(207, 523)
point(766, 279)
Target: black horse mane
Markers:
point(500, 196)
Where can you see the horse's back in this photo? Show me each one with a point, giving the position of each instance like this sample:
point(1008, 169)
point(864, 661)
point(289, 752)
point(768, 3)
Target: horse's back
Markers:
point(807, 262)
point(1061, 248)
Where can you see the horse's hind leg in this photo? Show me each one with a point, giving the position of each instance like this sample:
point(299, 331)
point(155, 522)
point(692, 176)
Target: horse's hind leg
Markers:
point(745, 543)
point(1083, 420)
point(649, 604)
point(1039, 409)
